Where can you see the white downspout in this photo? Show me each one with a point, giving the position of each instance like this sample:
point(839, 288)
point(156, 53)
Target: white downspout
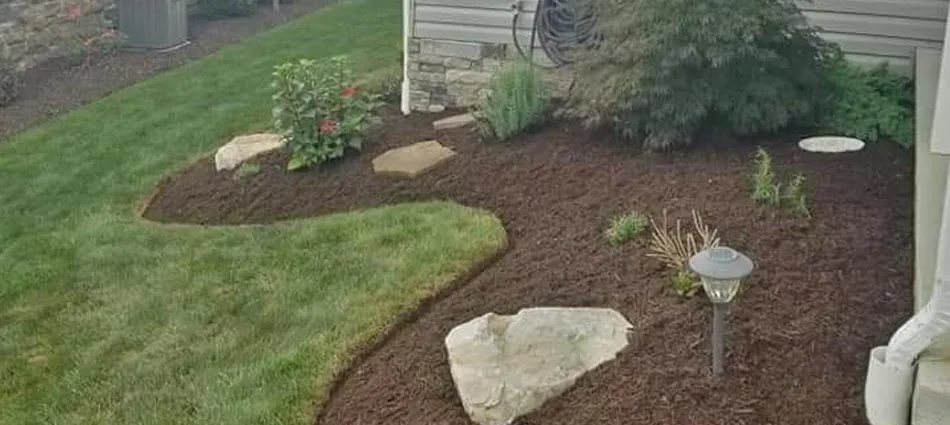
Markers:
point(891, 369)
point(406, 33)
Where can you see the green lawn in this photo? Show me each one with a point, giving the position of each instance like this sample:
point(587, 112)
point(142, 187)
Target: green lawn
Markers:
point(108, 319)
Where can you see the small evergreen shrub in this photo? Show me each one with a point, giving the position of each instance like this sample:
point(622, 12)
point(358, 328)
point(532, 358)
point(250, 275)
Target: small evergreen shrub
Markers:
point(870, 104)
point(764, 188)
point(664, 69)
point(9, 81)
point(767, 191)
point(319, 110)
point(625, 227)
point(517, 100)
point(221, 9)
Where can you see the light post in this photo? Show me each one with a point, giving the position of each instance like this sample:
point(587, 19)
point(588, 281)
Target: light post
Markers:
point(721, 270)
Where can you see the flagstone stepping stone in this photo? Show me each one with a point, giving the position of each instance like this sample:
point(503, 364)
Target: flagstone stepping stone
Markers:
point(242, 148)
point(831, 144)
point(412, 160)
point(454, 122)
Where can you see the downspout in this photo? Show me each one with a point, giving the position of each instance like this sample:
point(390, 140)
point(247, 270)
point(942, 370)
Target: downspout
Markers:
point(891, 369)
point(407, 6)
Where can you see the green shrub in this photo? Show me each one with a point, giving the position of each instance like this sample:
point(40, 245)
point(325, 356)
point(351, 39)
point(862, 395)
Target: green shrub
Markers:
point(517, 100)
point(625, 227)
point(767, 191)
point(221, 9)
point(795, 198)
point(666, 68)
point(318, 110)
point(764, 188)
point(870, 104)
point(9, 81)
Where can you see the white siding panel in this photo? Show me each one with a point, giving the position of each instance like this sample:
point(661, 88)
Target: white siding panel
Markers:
point(464, 16)
point(887, 26)
point(916, 9)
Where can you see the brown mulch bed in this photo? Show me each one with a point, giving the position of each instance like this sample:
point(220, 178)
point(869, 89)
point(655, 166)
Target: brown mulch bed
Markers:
point(826, 290)
point(54, 88)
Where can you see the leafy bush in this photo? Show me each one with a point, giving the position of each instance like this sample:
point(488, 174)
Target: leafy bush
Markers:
point(92, 41)
point(318, 110)
point(674, 249)
point(870, 104)
point(766, 191)
point(795, 198)
point(221, 9)
point(9, 81)
point(517, 99)
point(625, 227)
point(666, 68)
point(764, 188)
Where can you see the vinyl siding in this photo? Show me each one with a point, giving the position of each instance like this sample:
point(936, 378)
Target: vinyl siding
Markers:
point(869, 31)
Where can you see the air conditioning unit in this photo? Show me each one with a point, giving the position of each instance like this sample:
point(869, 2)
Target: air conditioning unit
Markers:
point(153, 24)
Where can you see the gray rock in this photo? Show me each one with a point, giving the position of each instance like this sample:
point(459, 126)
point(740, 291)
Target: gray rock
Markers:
point(455, 121)
point(242, 148)
point(507, 366)
point(412, 160)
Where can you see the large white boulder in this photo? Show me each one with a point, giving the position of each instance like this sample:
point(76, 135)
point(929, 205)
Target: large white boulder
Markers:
point(507, 366)
point(242, 148)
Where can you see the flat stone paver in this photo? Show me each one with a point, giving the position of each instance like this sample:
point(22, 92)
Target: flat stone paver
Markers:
point(831, 144)
point(242, 148)
point(412, 160)
point(454, 122)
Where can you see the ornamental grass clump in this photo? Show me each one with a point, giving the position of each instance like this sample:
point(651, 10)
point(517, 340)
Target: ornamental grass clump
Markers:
point(517, 100)
point(674, 247)
point(625, 227)
point(665, 69)
point(319, 111)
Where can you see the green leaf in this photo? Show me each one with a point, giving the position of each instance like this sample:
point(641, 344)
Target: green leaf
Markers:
point(296, 163)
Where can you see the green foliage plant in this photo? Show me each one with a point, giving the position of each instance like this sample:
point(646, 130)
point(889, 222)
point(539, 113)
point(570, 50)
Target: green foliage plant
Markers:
point(794, 197)
point(517, 100)
point(664, 69)
point(319, 111)
point(765, 190)
point(88, 38)
point(870, 104)
point(768, 192)
point(625, 227)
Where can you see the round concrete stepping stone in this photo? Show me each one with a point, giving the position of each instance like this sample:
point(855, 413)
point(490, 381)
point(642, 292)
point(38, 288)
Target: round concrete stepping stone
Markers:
point(831, 144)
point(412, 160)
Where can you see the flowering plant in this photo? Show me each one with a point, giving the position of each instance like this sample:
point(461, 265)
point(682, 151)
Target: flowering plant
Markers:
point(319, 110)
point(90, 39)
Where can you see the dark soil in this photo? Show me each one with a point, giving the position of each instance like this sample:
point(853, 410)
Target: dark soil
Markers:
point(55, 87)
point(826, 290)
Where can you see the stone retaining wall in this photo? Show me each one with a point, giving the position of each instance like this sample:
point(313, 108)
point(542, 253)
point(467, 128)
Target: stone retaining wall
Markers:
point(31, 30)
point(453, 74)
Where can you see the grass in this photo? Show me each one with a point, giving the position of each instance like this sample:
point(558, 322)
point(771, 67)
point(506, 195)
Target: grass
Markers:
point(517, 100)
point(626, 227)
point(108, 319)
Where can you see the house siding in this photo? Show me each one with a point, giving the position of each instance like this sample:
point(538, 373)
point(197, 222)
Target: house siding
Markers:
point(869, 31)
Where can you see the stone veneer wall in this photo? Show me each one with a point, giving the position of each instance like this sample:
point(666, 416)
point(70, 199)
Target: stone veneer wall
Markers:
point(453, 74)
point(30, 29)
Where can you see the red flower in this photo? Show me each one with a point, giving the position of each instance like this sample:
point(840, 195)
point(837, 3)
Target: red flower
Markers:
point(329, 127)
point(349, 91)
point(75, 12)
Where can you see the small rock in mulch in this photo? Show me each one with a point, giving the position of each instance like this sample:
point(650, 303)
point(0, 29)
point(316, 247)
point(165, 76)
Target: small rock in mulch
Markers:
point(454, 122)
point(242, 148)
point(506, 366)
point(831, 144)
point(412, 160)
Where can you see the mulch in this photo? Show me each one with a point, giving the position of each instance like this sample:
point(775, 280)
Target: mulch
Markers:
point(826, 290)
point(54, 87)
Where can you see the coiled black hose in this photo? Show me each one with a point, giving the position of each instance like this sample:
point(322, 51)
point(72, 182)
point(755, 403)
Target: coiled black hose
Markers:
point(560, 27)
